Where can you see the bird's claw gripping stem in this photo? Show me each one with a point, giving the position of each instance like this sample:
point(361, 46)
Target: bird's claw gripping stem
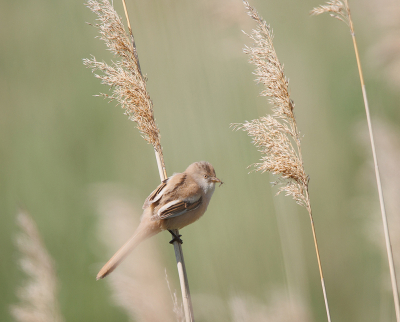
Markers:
point(176, 238)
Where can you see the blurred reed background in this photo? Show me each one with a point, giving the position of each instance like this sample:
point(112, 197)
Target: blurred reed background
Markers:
point(252, 254)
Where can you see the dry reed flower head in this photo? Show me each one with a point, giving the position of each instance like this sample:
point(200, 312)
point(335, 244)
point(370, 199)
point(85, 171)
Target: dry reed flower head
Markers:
point(38, 297)
point(276, 135)
point(336, 9)
point(124, 76)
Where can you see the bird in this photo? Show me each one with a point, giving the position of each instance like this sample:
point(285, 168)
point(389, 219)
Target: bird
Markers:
point(177, 202)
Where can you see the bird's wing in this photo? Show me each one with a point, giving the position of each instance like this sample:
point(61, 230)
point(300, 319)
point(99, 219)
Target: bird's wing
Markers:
point(177, 207)
point(156, 194)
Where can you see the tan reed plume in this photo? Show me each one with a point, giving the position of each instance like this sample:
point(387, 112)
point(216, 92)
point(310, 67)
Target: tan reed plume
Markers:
point(129, 90)
point(276, 135)
point(124, 76)
point(341, 11)
point(38, 296)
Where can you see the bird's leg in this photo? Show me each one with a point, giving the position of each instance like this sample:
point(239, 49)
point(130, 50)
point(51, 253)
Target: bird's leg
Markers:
point(175, 237)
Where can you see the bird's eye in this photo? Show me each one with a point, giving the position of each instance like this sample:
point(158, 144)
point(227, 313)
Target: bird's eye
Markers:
point(205, 176)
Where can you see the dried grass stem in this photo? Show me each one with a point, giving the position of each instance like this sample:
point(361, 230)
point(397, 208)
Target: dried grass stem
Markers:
point(341, 11)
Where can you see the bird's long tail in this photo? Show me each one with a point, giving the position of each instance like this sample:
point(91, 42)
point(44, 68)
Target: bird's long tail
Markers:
point(145, 230)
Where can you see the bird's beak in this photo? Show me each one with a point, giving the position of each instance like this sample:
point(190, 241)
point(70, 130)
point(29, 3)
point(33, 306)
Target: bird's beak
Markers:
point(215, 179)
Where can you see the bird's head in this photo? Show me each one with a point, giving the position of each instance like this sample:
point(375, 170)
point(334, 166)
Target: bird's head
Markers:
point(204, 174)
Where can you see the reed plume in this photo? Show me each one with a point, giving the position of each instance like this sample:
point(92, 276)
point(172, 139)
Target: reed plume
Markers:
point(341, 11)
point(38, 296)
point(276, 135)
point(123, 76)
point(336, 9)
point(129, 89)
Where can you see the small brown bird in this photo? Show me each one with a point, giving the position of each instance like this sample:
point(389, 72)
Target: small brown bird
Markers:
point(177, 202)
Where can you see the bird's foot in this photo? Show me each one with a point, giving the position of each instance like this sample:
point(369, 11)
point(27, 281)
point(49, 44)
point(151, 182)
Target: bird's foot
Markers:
point(176, 238)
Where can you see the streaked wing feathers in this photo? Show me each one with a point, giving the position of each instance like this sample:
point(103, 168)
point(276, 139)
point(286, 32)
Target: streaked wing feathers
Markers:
point(155, 195)
point(177, 209)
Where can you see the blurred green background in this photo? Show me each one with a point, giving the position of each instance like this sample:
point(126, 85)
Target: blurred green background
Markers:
point(57, 141)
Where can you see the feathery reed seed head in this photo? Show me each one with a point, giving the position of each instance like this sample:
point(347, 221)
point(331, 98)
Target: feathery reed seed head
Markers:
point(276, 136)
point(336, 9)
point(124, 76)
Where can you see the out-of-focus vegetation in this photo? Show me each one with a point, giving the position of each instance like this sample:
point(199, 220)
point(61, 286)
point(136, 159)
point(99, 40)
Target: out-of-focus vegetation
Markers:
point(57, 142)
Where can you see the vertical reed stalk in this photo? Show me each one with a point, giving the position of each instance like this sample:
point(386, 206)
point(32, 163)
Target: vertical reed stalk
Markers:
point(276, 135)
point(320, 267)
point(388, 244)
point(180, 262)
point(129, 88)
point(341, 11)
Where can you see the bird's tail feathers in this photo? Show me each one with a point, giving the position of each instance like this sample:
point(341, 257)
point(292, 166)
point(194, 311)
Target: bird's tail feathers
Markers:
point(143, 232)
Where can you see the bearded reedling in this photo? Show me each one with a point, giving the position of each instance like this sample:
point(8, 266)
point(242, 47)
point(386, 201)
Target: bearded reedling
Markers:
point(177, 202)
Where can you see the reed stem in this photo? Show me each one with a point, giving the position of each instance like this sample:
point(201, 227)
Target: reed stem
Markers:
point(328, 314)
point(377, 175)
point(320, 268)
point(186, 298)
point(180, 262)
